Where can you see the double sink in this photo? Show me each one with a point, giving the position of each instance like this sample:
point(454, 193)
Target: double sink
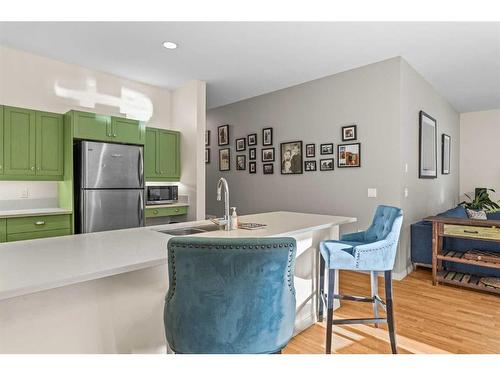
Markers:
point(191, 230)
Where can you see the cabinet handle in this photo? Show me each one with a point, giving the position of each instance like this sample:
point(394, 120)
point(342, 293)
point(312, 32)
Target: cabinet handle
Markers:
point(32, 168)
point(38, 168)
point(176, 210)
point(155, 212)
point(39, 222)
point(114, 134)
point(471, 231)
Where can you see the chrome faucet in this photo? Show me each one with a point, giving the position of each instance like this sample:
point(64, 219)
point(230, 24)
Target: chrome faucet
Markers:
point(226, 220)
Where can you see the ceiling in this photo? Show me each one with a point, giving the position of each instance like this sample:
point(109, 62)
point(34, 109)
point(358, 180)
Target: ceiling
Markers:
point(239, 60)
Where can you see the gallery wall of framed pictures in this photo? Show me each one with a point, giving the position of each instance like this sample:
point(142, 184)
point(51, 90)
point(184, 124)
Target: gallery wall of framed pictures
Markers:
point(293, 158)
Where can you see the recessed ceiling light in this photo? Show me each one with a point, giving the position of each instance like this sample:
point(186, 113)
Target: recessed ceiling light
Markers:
point(170, 45)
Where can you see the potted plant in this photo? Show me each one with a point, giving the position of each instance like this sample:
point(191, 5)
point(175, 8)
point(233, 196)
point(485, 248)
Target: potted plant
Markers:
point(481, 201)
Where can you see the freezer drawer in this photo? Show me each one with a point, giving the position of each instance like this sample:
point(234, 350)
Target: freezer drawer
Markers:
point(112, 209)
point(111, 166)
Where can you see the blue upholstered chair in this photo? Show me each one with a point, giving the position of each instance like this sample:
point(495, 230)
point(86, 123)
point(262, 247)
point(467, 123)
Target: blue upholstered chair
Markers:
point(230, 295)
point(373, 250)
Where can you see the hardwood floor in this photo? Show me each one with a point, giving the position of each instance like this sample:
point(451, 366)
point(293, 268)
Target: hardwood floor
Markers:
point(442, 319)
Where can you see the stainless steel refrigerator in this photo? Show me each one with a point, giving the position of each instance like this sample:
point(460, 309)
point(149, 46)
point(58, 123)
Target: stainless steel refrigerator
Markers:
point(109, 186)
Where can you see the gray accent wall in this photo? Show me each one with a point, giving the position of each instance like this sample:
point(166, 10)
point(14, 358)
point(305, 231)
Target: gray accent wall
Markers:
point(373, 98)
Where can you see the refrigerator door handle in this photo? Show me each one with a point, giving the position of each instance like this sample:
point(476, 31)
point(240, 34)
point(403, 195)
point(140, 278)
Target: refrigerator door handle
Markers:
point(141, 168)
point(140, 209)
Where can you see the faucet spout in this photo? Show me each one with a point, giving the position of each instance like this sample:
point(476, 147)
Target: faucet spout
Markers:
point(222, 185)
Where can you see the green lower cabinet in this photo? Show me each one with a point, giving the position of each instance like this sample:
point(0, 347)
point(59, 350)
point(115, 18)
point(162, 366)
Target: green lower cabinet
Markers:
point(3, 230)
point(166, 211)
point(26, 228)
point(162, 155)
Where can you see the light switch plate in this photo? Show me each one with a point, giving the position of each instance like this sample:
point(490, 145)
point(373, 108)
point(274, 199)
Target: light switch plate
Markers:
point(372, 193)
point(406, 192)
point(24, 193)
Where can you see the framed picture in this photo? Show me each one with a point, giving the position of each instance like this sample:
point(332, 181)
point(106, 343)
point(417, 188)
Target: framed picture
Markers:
point(252, 153)
point(252, 139)
point(445, 153)
point(310, 150)
point(268, 154)
point(326, 149)
point(268, 168)
point(427, 159)
point(207, 138)
point(267, 136)
point(241, 144)
point(223, 135)
point(224, 159)
point(252, 167)
point(349, 133)
point(326, 164)
point(309, 165)
point(291, 157)
point(348, 155)
point(241, 162)
point(207, 155)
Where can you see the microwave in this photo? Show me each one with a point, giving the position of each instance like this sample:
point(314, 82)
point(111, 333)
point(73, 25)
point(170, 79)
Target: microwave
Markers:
point(161, 194)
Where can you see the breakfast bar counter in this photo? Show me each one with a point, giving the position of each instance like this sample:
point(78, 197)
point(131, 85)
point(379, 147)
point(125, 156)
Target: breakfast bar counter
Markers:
point(104, 292)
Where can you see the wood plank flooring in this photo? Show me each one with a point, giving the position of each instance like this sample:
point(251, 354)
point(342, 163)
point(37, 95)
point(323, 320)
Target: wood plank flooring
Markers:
point(442, 319)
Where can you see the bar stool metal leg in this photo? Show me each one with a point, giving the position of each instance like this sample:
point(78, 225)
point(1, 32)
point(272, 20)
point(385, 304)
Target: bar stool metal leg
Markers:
point(390, 315)
point(329, 314)
point(374, 286)
point(321, 287)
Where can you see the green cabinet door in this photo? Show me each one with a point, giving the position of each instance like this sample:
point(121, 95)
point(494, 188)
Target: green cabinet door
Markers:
point(49, 144)
point(1, 139)
point(91, 126)
point(127, 131)
point(3, 230)
point(169, 154)
point(19, 141)
point(150, 167)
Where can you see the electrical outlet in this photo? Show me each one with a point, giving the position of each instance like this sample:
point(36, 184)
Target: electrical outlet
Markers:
point(406, 167)
point(406, 192)
point(25, 193)
point(372, 193)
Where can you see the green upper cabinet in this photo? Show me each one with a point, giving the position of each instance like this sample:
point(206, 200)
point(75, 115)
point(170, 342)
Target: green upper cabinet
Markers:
point(19, 141)
point(3, 230)
point(91, 126)
point(32, 143)
point(49, 144)
point(127, 131)
point(1, 140)
point(96, 127)
point(162, 155)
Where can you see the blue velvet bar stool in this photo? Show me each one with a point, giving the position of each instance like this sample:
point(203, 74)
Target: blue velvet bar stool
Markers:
point(373, 250)
point(230, 295)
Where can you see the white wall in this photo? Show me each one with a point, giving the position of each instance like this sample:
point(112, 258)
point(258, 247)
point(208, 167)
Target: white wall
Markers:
point(479, 151)
point(28, 80)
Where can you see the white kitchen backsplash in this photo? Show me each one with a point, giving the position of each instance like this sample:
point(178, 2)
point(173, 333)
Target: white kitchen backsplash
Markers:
point(27, 190)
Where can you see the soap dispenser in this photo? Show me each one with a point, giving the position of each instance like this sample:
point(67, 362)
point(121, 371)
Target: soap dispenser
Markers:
point(234, 219)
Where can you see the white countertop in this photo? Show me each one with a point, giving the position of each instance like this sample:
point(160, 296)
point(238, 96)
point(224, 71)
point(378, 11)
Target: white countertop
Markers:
point(33, 212)
point(36, 265)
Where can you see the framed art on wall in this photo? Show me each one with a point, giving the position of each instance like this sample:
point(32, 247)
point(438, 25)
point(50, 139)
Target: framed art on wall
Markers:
point(207, 155)
point(310, 150)
point(427, 158)
point(241, 162)
point(252, 153)
point(291, 157)
point(349, 133)
point(207, 138)
point(267, 136)
point(223, 135)
point(349, 155)
point(252, 139)
point(268, 154)
point(326, 149)
point(326, 164)
point(241, 144)
point(252, 167)
point(268, 168)
point(224, 159)
point(310, 165)
point(445, 153)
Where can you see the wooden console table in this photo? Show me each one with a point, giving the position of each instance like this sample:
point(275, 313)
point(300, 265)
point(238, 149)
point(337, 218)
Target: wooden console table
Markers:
point(484, 230)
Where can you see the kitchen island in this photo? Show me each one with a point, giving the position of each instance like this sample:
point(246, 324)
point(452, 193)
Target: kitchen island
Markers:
point(104, 292)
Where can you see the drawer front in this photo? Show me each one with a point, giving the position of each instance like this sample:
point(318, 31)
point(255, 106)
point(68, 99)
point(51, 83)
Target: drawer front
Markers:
point(40, 234)
point(165, 211)
point(3, 230)
point(490, 233)
point(37, 223)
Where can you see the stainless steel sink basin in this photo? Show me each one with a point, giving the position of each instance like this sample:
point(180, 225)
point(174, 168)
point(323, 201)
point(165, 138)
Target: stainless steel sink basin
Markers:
point(191, 230)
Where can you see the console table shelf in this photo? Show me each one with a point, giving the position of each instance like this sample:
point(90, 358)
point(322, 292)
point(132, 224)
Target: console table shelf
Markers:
point(488, 230)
